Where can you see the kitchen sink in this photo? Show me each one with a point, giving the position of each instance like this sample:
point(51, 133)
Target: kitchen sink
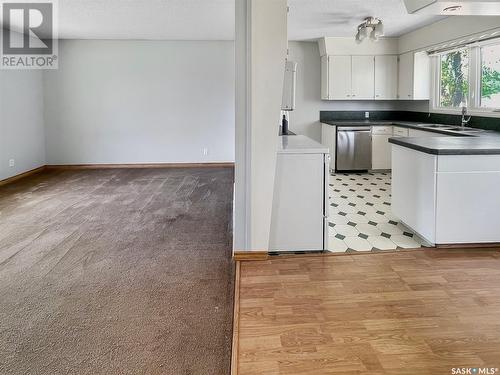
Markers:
point(436, 126)
point(449, 127)
point(459, 129)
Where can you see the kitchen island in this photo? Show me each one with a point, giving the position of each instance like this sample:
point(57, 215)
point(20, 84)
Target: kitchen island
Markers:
point(447, 189)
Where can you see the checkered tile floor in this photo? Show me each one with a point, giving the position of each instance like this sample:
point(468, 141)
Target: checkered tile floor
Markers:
point(360, 215)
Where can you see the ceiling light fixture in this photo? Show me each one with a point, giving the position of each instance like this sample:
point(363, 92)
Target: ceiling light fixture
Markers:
point(372, 27)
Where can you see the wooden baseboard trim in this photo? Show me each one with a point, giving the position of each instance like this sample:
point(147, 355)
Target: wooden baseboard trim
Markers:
point(236, 321)
point(142, 166)
point(115, 166)
point(491, 245)
point(22, 175)
point(239, 255)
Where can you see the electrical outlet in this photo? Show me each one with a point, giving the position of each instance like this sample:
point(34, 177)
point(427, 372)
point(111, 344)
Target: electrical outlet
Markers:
point(367, 114)
point(12, 162)
point(205, 151)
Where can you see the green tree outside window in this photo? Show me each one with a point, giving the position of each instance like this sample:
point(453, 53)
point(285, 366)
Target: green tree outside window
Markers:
point(490, 76)
point(454, 78)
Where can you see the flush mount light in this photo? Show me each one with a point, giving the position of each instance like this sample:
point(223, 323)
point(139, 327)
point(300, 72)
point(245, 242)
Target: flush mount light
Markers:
point(372, 27)
point(452, 8)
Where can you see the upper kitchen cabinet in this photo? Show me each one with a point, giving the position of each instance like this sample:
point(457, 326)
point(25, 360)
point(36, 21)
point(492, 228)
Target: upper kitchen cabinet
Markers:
point(351, 71)
point(362, 77)
point(386, 77)
point(359, 77)
point(414, 79)
point(372, 71)
point(337, 80)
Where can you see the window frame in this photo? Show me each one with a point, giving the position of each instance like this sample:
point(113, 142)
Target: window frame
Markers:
point(474, 79)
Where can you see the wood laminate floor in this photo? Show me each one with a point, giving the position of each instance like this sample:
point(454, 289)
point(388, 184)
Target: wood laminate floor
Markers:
point(407, 313)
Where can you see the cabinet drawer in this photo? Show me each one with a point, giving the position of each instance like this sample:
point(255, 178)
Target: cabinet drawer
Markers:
point(400, 132)
point(382, 130)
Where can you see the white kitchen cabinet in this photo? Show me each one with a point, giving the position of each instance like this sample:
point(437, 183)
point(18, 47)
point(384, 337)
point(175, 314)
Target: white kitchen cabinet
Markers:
point(381, 148)
point(413, 190)
point(368, 77)
point(405, 76)
point(400, 132)
point(324, 78)
point(329, 139)
point(339, 77)
point(421, 76)
point(363, 80)
point(414, 76)
point(447, 199)
point(386, 77)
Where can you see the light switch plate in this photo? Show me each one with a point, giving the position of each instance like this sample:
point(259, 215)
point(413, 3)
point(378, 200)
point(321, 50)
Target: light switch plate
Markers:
point(12, 162)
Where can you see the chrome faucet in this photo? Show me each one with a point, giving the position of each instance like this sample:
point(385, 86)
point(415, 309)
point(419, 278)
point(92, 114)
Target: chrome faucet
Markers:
point(465, 118)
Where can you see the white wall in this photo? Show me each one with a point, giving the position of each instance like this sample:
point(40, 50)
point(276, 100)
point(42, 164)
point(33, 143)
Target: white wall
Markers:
point(268, 43)
point(21, 121)
point(241, 209)
point(348, 46)
point(140, 102)
point(445, 30)
point(261, 40)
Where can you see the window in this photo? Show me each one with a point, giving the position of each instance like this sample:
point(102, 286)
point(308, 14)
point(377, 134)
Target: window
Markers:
point(490, 76)
point(454, 82)
point(469, 76)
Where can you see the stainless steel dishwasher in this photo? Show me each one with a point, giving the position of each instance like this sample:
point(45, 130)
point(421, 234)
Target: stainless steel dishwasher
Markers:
point(354, 148)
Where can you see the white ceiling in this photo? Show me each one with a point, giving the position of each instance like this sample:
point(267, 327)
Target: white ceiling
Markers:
point(147, 19)
point(312, 19)
point(214, 19)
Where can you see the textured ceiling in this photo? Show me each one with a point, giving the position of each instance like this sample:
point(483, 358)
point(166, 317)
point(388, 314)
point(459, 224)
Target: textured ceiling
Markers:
point(214, 19)
point(312, 19)
point(147, 19)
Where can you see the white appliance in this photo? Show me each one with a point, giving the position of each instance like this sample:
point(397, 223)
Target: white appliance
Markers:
point(460, 7)
point(299, 219)
point(289, 85)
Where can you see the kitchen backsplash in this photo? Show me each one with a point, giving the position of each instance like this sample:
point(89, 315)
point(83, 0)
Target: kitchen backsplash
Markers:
point(489, 123)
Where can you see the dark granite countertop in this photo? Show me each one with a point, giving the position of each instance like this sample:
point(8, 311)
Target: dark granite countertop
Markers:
point(402, 124)
point(481, 145)
point(484, 142)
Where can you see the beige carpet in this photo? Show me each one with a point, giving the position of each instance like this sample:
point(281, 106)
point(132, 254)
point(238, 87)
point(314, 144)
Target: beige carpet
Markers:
point(120, 271)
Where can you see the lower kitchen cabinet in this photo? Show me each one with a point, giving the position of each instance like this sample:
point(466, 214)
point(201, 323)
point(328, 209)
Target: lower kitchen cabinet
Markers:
point(398, 131)
point(329, 139)
point(381, 148)
point(447, 199)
